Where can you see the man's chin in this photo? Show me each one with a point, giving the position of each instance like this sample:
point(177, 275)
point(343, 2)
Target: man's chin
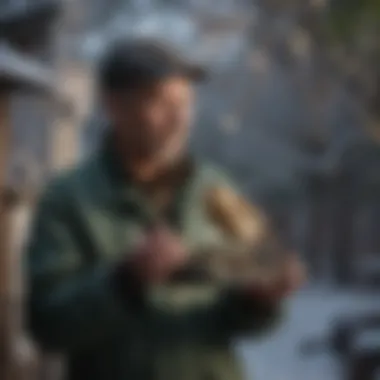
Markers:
point(162, 152)
point(143, 151)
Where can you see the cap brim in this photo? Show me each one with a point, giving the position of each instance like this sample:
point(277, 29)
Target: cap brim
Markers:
point(196, 73)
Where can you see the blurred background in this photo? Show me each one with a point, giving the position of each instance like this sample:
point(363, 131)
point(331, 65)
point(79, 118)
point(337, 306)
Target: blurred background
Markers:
point(292, 111)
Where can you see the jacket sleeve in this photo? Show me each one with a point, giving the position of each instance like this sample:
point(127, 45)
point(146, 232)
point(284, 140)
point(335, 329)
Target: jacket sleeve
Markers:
point(234, 315)
point(70, 305)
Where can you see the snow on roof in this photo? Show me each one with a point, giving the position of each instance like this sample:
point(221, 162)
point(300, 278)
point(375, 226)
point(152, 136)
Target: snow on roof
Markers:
point(18, 69)
point(189, 32)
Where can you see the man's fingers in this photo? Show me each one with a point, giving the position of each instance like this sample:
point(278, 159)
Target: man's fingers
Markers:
point(294, 276)
point(291, 279)
point(164, 248)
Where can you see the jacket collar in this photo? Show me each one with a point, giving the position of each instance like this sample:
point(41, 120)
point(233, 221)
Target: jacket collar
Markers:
point(125, 196)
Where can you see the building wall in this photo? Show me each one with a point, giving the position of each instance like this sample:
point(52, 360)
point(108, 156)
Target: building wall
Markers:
point(76, 84)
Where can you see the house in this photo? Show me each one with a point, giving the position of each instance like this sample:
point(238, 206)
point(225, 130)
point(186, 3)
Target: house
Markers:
point(29, 100)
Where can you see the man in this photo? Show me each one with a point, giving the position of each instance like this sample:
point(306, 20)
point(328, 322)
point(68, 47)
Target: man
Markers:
point(109, 236)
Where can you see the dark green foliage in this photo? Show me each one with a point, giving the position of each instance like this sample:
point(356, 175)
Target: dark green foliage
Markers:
point(347, 17)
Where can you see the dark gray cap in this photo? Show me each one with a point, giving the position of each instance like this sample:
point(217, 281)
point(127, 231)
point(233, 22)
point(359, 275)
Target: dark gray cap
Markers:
point(131, 63)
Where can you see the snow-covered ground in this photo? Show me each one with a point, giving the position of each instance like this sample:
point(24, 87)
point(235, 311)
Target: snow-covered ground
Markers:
point(278, 356)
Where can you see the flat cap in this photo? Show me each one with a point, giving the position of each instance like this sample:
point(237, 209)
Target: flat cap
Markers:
point(130, 63)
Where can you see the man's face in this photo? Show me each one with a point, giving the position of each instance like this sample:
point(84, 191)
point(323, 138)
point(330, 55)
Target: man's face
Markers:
point(154, 118)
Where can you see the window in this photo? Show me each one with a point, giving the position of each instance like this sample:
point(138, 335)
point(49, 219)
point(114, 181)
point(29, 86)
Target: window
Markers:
point(12, 5)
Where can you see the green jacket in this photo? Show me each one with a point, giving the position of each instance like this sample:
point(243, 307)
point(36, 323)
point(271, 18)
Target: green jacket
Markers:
point(85, 222)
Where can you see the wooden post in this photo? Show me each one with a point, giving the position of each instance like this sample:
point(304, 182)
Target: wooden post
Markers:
point(316, 231)
point(375, 220)
point(5, 302)
point(14, 353)
point(343, 244)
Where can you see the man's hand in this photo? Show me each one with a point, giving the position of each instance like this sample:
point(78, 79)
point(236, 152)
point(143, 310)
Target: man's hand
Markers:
point(158, 256)
point(155, 259)
point(292, 277)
